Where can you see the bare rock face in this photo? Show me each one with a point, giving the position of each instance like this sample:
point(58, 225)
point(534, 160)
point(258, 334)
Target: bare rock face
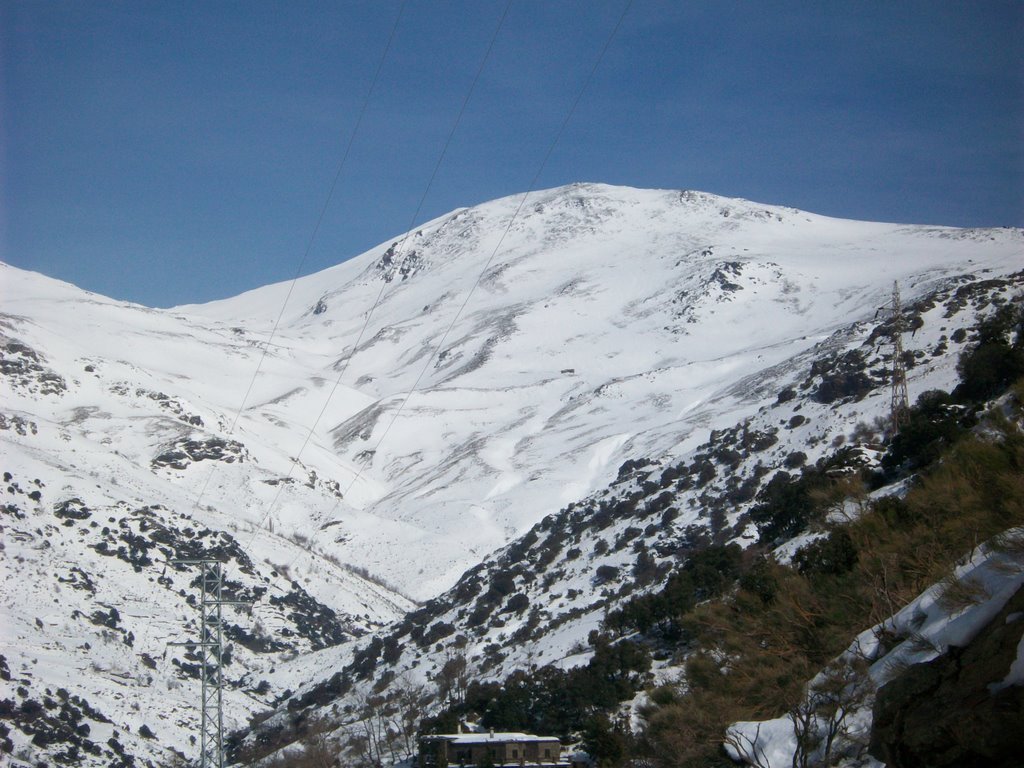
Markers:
point(185, 451)
point(951, 711)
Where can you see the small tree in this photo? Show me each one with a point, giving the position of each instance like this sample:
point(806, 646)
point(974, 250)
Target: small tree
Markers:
point(821, 719)
point(747, 748)
point(318, 752)
point(606, 742)
point(405, 709)
point(452, 679)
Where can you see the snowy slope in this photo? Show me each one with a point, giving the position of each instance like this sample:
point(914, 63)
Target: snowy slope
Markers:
point(536, 601)
point(510, 365)
point(94, 509)
point(607, 323)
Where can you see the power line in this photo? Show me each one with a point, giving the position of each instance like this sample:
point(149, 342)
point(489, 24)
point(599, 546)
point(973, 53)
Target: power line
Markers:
point(312, 239)
point(494, 252)
point(399, 253)
point(508, 228)
point(211, 603)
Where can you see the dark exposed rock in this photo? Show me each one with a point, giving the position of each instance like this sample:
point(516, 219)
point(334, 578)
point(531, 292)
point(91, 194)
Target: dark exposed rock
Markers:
point(722, 274)
point(13, 510)
point(72, 509)
point(949, 712)
point(166, 402)
point(185, 451)
point(392, 264)
point(840, 377)
point(313, 620)
point(23, 366)
point(257, 642)
point(58, 725)
point(20, 425)
point(110, 618)
point(78, 579)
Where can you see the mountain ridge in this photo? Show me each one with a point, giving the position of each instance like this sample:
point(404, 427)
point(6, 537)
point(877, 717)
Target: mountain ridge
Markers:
point(604, 331)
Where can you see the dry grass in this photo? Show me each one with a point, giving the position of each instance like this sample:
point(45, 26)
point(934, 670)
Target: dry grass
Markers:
point(1010, 543)
point(960, 593)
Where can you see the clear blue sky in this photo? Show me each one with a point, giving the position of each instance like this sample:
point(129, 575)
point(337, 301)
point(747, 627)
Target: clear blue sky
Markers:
point(180, 151)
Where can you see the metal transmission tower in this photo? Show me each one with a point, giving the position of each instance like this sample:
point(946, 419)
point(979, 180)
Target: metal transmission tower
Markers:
point(211, 655)
point(899, 406)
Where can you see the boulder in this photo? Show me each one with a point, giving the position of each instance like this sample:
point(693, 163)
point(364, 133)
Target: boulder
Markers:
point(951, 711)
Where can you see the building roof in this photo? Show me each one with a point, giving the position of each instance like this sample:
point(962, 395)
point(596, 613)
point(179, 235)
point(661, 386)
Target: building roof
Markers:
point(483, 738)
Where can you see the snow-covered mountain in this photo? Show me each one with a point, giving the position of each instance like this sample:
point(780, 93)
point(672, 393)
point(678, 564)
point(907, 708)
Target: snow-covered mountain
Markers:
point(355, 441)
point(537, 602)
point(596, 325)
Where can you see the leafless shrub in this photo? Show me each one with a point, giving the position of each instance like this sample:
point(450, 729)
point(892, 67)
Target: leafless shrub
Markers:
point(918, 643)
point(960, 593)
point(747, 748)
point(1010, 543)
point(895, 667)
point(821, 720)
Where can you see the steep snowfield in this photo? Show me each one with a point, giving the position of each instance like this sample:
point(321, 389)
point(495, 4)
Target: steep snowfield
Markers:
point(607, 323)
point(535, 601)
point(508, 367)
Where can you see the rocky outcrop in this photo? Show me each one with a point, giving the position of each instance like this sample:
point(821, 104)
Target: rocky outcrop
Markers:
point(952, 711)
point(186, 451)
point(23, 367)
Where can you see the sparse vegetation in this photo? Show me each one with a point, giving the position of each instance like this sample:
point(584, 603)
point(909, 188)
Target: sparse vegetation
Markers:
point(756, 648)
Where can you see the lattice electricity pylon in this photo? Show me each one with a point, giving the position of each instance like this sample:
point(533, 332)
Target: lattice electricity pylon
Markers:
point(899, 404)
point(211, 655)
